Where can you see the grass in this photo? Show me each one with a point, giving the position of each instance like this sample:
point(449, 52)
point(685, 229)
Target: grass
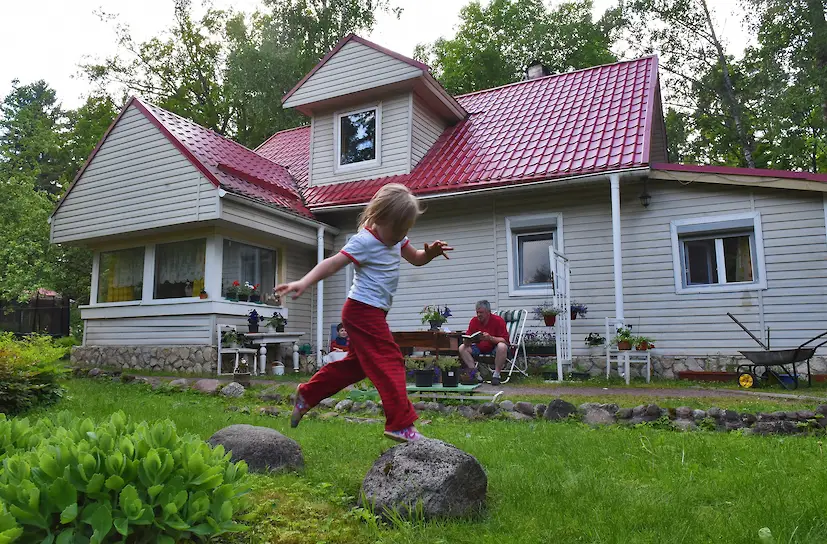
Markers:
point(548, 482)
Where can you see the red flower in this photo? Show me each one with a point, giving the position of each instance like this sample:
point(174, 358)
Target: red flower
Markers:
point(236, 284)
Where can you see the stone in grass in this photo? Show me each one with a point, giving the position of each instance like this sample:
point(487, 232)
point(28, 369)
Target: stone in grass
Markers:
point(559, 409)
point(539, 410)
point(507, 405)
point(488, 408)
point(268, 411)
point(207, 386)
point(443, 480)
point(683, 412)
point(419, 405)
point(685, 425)
point(180, 383)
point(262, 448)
point(232, 390)
point(517, 416)
point(822, 409)
point(525, 408)
point(468, 412)
point(343, 405)
point(776, 427)
point(328, 403)
point(624, 413)
point(271, 395)
point(596, 415)
point(94, 372)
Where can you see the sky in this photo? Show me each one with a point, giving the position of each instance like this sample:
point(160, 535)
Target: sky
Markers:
point(47, 39)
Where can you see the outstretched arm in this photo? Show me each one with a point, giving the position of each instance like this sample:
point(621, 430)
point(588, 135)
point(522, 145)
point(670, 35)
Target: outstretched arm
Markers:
point(323, 270)
point(418, 257)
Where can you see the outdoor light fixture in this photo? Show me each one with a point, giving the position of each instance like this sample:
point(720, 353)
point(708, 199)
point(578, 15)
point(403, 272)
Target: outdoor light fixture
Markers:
point(645, 197)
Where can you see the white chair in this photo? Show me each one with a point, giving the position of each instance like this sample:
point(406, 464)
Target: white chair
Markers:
point(624, 358)
point(235, 351)
point(516, 360)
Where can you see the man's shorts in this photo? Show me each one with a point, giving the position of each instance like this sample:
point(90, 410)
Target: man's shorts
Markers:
point(475, 350)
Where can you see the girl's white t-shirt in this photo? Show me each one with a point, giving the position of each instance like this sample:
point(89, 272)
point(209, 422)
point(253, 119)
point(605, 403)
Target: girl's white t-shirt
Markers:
point(377, 268)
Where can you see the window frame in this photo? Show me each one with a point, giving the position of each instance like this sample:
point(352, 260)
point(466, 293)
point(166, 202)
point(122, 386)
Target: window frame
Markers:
point(541, 223)
point(155, 264)
point(275, 250)
point(337, 140)
point(693, 229)
point(96, 270)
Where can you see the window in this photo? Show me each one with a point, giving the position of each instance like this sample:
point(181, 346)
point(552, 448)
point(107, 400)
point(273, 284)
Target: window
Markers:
point(723, 253)
point(357, 138)
point(121, 275)
point(246, 263)
point(179, 269)
point(529, 240)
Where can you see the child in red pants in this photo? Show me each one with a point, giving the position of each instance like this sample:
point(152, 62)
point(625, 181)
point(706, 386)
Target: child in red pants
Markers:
point(376, 252)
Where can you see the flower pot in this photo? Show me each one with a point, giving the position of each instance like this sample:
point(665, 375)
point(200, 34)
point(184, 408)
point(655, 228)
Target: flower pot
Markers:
point(253, 327)
point(279, 328)
point(424, 378)
point(255, 298)
point(435, 324)
point(573, 315)
point(550, 320)
point(450, 377)
point(643, 346)
point(244, 298)
point(202, 295)
point(624, 345)
point(242, 378)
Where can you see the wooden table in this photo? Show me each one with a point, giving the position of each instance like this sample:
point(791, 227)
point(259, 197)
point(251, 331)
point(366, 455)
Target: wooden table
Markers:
point(432, 341)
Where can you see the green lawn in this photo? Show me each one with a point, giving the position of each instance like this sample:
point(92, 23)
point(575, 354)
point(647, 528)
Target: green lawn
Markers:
point(548, 482)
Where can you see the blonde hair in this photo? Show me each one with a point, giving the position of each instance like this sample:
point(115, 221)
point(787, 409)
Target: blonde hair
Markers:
point(393, 204)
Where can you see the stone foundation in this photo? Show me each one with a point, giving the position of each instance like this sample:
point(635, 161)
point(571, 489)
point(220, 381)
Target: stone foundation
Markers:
point(196, 359)
point(668, 366)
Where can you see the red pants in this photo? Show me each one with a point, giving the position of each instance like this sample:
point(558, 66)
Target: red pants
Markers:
point(372, 353)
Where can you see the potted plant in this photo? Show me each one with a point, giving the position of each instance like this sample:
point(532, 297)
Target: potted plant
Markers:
point(423, 368)
point(252, 320)
point(549, 371)
point(230, 338)
point(579, 373)
point(242, 373)
point(277, 322)
point(255, 294)
point(449, 369)
point(624, 338)
point(539, 343)
point(594, 340)
point(643, 343)
point(547, 313)
point(435, 316)
point(202, 294)
point(232, 291)
point(244, 291)
point(577, 309)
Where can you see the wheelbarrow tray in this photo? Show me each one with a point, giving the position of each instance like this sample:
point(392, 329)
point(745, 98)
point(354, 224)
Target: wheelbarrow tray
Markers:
point(779, 356)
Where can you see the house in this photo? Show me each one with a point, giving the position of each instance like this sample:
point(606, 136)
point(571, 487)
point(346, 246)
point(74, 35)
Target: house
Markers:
point(575, 161)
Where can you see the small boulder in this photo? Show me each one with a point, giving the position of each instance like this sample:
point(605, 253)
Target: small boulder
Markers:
point(684, 425)
point(329, 415)
point(804, 415)
point(419, 405)
point(271, 395)
point(779, 415)
point(539, 410)
point(208, 386)
point(715, 412)
point(264, 449)
point(517, 416)
point(792, 416)
point(94, 372)
point(683, 412)
point(433, 406)
point(775, 427)
point(748, 419)
point(343, 405)
point(447, 482)
point(525, 408)
point(268, 411)
point(624, 413)
point(698, 415)
point(507, 405)
point(180, 383)
point(822, 409)
point(653, 411)
point(598, 416)
point(488, 408)
point(559, 409)
point(328, 403)
point(467, 412)
point(731, 416)
point(233, 390)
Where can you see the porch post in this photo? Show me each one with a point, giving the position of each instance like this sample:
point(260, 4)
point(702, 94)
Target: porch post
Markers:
point(319, 299)
point(616, 246)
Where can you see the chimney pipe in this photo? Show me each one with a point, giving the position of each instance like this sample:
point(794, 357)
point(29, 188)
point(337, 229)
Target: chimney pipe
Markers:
point(536, 69)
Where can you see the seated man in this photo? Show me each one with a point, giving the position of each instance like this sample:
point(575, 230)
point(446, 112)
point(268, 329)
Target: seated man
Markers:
point(493, 339)
point(340, 343)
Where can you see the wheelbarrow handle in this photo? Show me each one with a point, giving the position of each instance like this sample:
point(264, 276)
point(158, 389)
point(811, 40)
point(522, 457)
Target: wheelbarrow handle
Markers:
point(746, 330)
point(814, 339)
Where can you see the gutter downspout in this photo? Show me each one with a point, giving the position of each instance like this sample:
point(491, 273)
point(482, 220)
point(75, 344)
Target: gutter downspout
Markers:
point(319, 297)
point(616, 246)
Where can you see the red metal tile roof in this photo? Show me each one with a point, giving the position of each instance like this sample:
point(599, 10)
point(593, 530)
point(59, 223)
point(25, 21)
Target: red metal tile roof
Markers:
point(737, 171)
point(577, 123)
point(291, 149)
point(228, 164)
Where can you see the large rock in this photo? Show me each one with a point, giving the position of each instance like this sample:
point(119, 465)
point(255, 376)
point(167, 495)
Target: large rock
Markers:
point(559, 409)
point(447, 481)
point(233, 390)
point(597, 415)
point(207, 385)
point(264, 449)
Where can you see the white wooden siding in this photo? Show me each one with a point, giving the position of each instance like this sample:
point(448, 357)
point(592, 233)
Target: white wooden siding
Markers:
point(241, 213)
point(425, 130)
point(355, 67)
point(394, 144)
point(137, 180)
point(299, 261)
point(794, 306)
point(150, 331)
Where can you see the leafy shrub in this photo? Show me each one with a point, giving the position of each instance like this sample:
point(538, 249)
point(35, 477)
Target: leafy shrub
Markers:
point(29, 372)
point(73, 481)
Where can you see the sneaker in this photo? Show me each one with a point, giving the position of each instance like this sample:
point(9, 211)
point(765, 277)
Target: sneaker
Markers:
point(409, 434)
point(300, 407)
point(495, 380)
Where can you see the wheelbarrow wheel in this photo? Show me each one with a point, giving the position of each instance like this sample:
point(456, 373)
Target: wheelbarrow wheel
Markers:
point(747, 380)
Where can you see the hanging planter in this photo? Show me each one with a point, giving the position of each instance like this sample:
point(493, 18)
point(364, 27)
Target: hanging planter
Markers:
point(573, 315)
point(550, 319)
point(547, 313)
point(577, 309)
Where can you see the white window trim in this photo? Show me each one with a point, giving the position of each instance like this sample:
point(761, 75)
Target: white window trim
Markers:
point(337, 145)
point(251, 244)
point(523, 221)
point(761, 269)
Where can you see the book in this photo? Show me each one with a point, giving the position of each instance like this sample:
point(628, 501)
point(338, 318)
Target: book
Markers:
point(472, 337)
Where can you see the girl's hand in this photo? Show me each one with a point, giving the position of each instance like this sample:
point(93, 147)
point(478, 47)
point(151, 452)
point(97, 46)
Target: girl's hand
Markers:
point(437, 248)
point(296, 287)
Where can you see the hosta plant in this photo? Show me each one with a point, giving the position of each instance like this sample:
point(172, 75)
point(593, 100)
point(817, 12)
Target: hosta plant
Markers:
point(74, 481)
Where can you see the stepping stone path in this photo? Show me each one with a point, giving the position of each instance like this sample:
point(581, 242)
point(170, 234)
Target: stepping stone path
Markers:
point(264, 449)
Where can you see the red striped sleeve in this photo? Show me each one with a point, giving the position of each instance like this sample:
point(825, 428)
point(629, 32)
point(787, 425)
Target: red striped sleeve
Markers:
point(407, 241)
point(349, 256)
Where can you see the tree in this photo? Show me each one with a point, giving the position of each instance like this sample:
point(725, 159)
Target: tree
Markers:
point(495, 43)
point(683, 34)
point(30, 132)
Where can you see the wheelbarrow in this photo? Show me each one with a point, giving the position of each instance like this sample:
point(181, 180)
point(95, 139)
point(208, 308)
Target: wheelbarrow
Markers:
point(749, 374)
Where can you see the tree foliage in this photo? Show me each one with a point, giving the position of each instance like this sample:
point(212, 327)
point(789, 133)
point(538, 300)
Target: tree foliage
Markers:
point(495, 43)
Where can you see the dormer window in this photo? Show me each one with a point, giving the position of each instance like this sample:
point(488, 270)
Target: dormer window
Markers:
point(358, 135)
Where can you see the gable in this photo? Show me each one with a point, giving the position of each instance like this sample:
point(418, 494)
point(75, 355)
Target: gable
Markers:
point(353, 68)
point(136, 179)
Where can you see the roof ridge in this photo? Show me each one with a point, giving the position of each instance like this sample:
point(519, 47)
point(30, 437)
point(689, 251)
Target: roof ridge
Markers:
point(523, 82)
